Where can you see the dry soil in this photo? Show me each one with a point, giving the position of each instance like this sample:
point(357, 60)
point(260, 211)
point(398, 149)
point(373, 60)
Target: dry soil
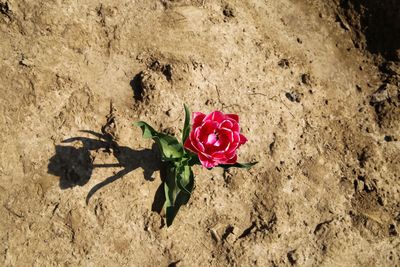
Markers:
point(316, 86)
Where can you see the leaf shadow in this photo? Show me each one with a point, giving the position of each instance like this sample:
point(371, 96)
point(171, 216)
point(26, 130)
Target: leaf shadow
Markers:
point(74, 165)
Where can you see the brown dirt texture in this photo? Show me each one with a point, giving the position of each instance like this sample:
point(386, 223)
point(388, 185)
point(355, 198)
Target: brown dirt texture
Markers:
point(316, 85)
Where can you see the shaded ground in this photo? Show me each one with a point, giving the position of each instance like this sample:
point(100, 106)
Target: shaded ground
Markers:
point(316, 85)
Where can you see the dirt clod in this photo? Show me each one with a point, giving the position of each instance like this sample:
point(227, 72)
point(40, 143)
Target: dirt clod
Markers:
point(5, 8)
point(228, 11)
point(292, 257)
point(306, 79)
point(283, 63)
point(293, 96)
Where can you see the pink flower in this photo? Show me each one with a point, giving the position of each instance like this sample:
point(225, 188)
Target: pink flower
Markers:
point(215, 138)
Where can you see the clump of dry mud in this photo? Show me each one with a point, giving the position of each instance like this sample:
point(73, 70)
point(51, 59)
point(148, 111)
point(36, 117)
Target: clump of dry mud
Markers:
point(375, 25)
point(316, 85)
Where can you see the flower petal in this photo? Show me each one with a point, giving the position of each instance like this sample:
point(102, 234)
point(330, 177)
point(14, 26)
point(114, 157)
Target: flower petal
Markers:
point(198, 118)
point(235, 127)
point(206, 162)
point(205, 130)
point(195, 145)
point(232, 148)
point(217, 116)
point(219, 155)
point(232, 160)
point(209, 126)
point(188, 145)
point(226, 124)
point(225, 133)
point(243, 139)
point(233, 116)
point(198, 145)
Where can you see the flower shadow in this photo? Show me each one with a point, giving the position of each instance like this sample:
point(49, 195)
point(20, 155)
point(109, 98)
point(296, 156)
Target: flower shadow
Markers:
point(75, 166)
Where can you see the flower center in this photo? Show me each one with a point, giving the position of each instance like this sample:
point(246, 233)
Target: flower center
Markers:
point(212, 138)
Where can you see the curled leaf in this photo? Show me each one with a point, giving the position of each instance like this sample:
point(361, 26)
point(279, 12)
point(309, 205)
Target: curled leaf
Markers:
point(178, 187)
point(238, 165)
point(169, 146)
point(185, 179)
point(186, 125)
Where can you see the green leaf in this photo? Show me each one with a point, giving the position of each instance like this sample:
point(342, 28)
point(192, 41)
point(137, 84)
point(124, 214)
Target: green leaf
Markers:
point(148, 131)
point(185, 179)
point(170, 212)
point(178, 187)
point(186, 125)
point(238, 165)
point(169, 146)
point(193, 159)
point(171, 191)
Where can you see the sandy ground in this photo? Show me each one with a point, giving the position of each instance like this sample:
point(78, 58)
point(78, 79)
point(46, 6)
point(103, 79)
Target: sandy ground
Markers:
point(315, 83)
